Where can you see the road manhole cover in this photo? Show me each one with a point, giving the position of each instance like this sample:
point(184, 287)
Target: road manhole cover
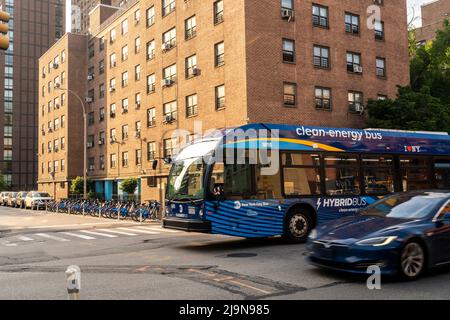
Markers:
point(241, 255)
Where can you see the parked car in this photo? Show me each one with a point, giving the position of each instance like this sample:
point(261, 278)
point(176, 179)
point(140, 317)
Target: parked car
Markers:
point(4, 198)
point(36, 200)
point(20, 199)
point(11, 199)
point(403, 234)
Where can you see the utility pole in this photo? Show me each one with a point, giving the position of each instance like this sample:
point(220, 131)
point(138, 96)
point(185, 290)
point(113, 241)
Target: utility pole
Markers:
point(4, 28)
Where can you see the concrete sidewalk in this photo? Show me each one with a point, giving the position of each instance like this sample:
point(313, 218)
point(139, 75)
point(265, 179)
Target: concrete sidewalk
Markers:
point(14, 221)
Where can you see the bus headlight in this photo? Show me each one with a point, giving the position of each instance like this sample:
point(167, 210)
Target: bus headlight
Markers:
point(376, 242)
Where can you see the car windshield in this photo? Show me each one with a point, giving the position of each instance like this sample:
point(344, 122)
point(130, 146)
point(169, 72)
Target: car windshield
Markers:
point(186, 180)
point(406, 206)
point(41, 195)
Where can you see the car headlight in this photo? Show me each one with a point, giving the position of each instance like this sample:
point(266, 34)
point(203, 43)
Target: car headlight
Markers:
point(313, 234)
point(376, 242)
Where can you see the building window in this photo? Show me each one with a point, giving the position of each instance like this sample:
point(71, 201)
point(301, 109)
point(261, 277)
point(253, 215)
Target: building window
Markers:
point(137, 16)
point(101, 67)
point(101, 116)
point(150, 16)
point(287, 4)
point(379, 30)
point(137, 45)
point(112, 84)
point(63, 165)
point(150, 50)
point(220, 97)
point(151, 87)
point(352, 23)
point(320, 16)
point(101, 90)
point(125, 105)
point(323, 98)
point(355, 102)
point(113, 160)
point(151, 151)
point(289, 94)
point(381, 67)
point(91, 164)
point(101, 44)
point(137, 127)
point(168, 6)
point(124, 53)
point(288, 50)
point(90, 141)
point(382, 97)
point(101, 138)
point(191, 105)
point(190, 26)
point(63, 143)
point(63, 121)
point(191, 66)
point(112, 59)
point(125, 79)
point(170, 74)
point(137, 100)
point(170, 111)
point(354, 62)
point(112, 134)
point(91, 51)
point(125, 132)
point(169, 39)
point(112, 112)
point(112, 35)
point(218, 12)
point(137, 72)
point(91, 118)
point(102, 162)
point(169, 147)
point(138, 155)
point(219, 54)
point(321, 57)
point(124, 27)
point(151, 117)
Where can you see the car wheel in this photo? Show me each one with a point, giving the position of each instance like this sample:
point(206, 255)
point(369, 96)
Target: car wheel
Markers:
point(298, 225)
point(412, 261)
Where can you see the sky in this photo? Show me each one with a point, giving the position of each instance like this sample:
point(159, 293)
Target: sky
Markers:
point(413, 11)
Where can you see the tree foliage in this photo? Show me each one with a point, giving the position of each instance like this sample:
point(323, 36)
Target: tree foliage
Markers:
point(3, 185)
point(77, 186)
point(129, 185)
point(425, 104)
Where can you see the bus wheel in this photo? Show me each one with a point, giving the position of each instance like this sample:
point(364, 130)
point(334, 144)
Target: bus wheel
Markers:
point(298, 225)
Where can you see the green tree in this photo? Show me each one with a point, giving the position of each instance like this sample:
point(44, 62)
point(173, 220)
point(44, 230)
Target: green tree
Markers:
point(129, 186)
point(77, 186)
point(425, 104)
point(3, 185)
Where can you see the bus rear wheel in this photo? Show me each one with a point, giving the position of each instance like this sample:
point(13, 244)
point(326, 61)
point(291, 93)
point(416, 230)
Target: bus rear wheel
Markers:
point(298, 225)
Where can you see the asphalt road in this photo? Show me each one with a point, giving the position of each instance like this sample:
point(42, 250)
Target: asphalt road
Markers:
point(131, 261)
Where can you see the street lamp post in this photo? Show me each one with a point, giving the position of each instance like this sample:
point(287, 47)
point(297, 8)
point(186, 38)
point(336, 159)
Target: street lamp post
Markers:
point(58, 86)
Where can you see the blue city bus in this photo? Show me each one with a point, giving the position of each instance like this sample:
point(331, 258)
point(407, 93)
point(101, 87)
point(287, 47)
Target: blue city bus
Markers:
point(322, 174)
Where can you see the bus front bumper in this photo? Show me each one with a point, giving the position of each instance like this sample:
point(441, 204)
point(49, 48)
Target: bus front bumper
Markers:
point(190, 225)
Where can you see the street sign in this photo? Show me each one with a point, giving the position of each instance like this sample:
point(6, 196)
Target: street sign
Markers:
point(4, 39)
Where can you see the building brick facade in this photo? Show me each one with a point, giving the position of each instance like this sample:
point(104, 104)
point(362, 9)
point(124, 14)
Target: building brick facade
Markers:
point(157, 66)
point(433, 16)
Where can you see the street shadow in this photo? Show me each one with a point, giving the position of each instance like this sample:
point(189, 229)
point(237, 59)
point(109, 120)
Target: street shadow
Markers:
point(238, 243)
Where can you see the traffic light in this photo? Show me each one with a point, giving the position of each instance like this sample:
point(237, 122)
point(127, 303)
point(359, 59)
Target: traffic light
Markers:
point(4, 40)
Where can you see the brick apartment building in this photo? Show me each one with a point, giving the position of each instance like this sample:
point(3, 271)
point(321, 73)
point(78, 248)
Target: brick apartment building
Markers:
point(151, 67)
point(433, 15)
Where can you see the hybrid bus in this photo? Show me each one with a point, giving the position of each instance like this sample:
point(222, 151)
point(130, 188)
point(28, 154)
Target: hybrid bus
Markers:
point(321, 174)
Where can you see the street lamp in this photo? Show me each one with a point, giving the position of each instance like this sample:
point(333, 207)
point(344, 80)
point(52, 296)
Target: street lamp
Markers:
point(58, 86)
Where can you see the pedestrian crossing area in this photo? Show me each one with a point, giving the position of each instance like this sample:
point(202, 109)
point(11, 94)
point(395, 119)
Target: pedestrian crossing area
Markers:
point(84, 235)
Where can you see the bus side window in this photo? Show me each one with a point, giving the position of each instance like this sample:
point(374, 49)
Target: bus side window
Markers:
point(342, 175)
point(442, 173)
point(415, 173)
point(267, 187)
point(378, 174)
point(238, 181)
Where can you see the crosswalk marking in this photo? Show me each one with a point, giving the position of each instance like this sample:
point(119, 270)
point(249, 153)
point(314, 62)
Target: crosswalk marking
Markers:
point(118, 232)
point(138, 230)
point(48, 236)
point(25, 238)
point(81, 236)
point(99, 234)
point(157, 229)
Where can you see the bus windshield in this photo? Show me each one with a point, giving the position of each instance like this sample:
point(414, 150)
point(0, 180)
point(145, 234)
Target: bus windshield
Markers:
point(186, 180)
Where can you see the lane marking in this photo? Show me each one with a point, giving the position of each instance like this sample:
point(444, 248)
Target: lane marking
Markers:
point(138, 230)
point(99, 234)
point(118, 232)
point(48, 236)
point(78, 235)
point(24, 238)
point(249, 286)
point(8, 244)
point(157, 229)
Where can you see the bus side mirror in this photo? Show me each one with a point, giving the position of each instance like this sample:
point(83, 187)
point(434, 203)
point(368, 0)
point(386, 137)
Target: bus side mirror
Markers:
point(154, 164)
